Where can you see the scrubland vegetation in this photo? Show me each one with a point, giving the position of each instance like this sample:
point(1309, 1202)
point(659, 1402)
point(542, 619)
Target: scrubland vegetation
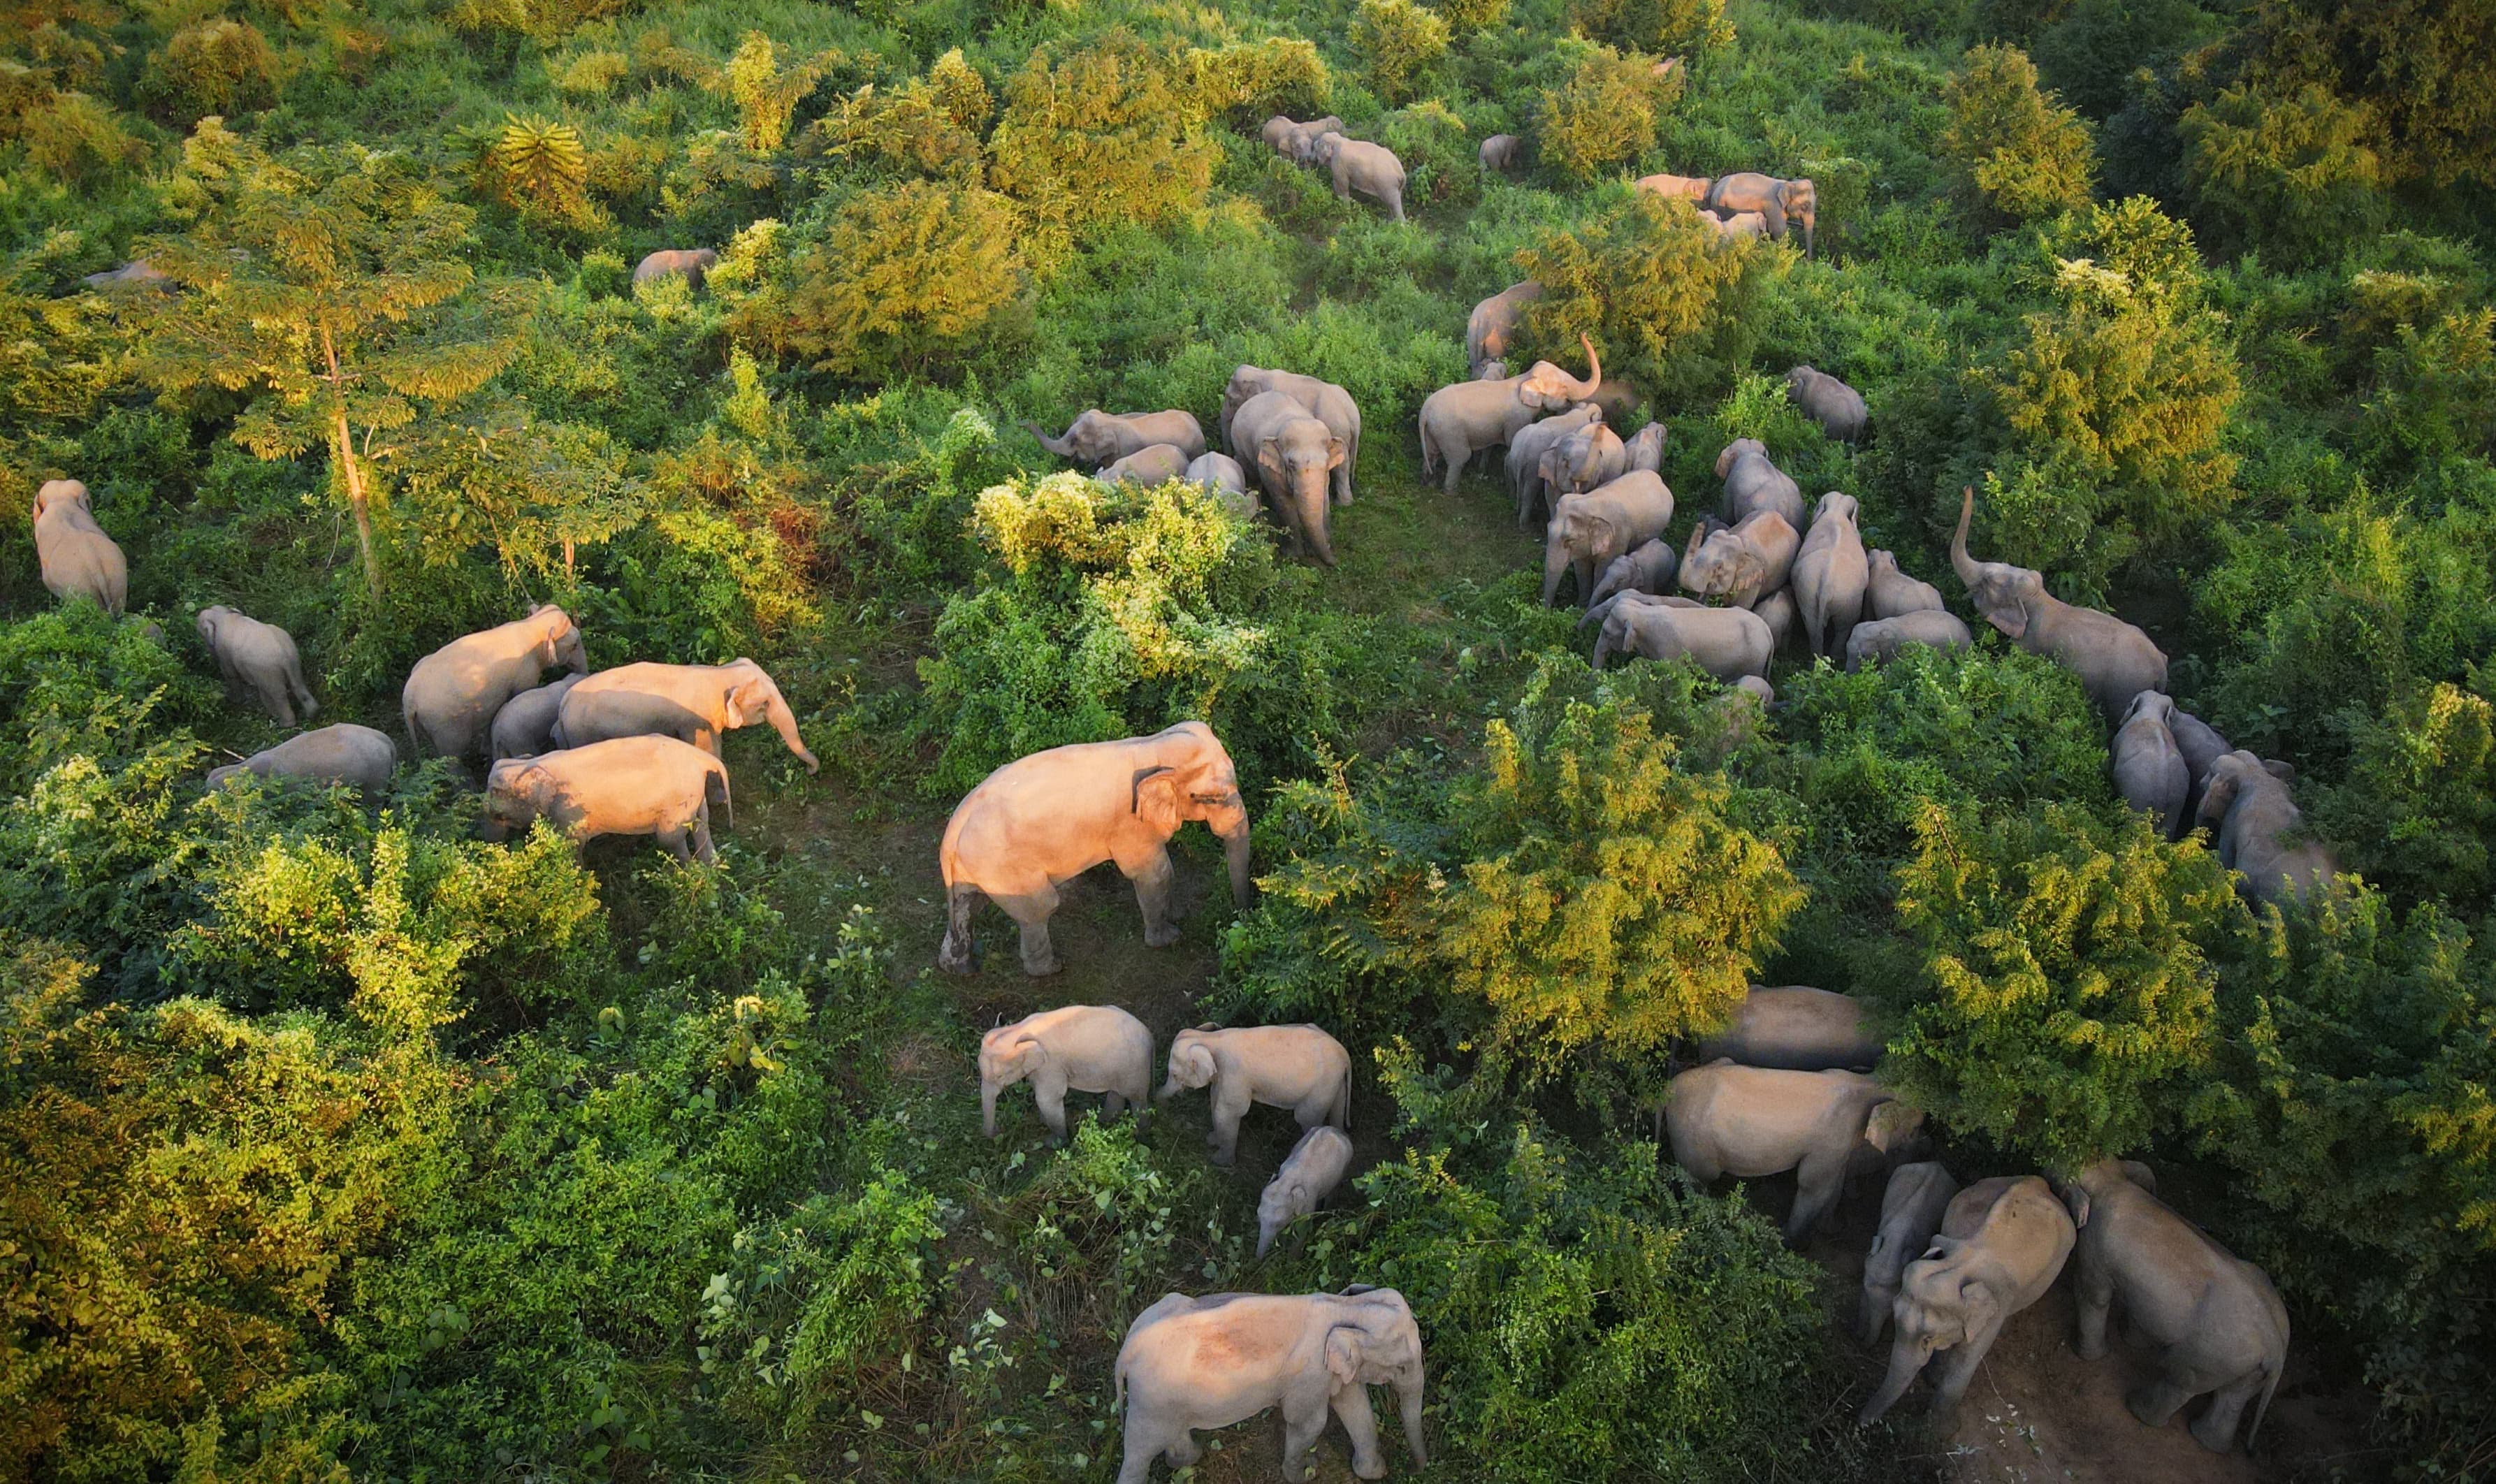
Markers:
point(338, 1143)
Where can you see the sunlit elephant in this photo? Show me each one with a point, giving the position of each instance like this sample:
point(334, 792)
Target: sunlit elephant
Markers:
point(1525, 450)
point(2002, 1243)
point(1500, 151)
point(2115, 661)
point(357, 756)
point(1310, 1172)
point(1359, 166)
point(77, 558)
point(2216, 1319)
point(1151, 466)
point(1830, 575)
point(258, 657)
point(1460, 421)
point(138, 273)
point(1592, 528)
point(1795, 1028)
point(1836, 407)
point(1752, 1122)
point(1582, 459)
point(1879, 639)
point(1492, 325)
point(1649, 569)
point(1097, 438)
point(452, 694)
point(1646, 447)
point(1297, 142)
point(632, 785)
point(1326, 401)
point(2150, 769)
point(2247, 800)
point(1741, 226)
point(1082, 1048)
point(525, 726)
point(692, 264)
point(1910, 1212)
point(1888, 592)
point(1691, 188)
point(1754, 483)
point(690, 702)
point(1208, 1362)
point(1295, 455)
point(1781, 201)
point(1045, 819)
point(1742, 563)
point(1299, 1068)
point(1728, 643)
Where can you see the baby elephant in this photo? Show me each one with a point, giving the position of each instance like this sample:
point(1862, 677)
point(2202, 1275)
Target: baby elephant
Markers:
point(77, 558)
point(630, 786)
point(1753, 1122)
point(2002, 1244)
point(2216, 1319)
point(1646, 447)
point(1891, 592)
point(259, 655)
point(1797, 1028)
point(1880, 639)
point(1299, 1068)
point(1314, 1168)
point(1150, 466)
point(357, 756)
point(1083, 1048)
point(525, 726)
point(1742, 563)
point(1910, 1212)
point(2150, 769)
point(1836, 407)
point(1649, 569)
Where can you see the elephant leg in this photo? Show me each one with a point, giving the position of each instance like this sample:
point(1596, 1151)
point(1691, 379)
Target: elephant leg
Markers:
point(1960, 1368)
point(1229, 1108)
point(1585, 567)
point(700, 831)
point(1352, 1406)
point(1817, 1181)
point(2216, 1428)
point(1112, 1104)
point(1395, 198)
point(1030, 910)
point(1050, 1094)
point(1145, 1442)
point(1183, 1451)
point(1152, 876)
point(1303, 1422)
point(679, 839)
point(956, 954)
point(1453, 458)
point(274, 700)
point(2156, 1403)
point(2094, 1297)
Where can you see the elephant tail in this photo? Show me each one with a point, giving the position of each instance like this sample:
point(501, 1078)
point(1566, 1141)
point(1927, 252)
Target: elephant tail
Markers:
point(1343, 1100)
point(2261, 1409)
point(1429, 463)
point(1118, 1390)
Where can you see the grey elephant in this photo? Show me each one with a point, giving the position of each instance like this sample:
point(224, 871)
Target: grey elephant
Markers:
point(1778, 610)
point(1295, 455)
point(1297, 142)
point(1359, 166)
point(1890, 592)
point(1690, 188)
point(1649, 569)
point(1525, 452)
point(1463, 420)
point(357, 756)
point(1752, 1122)
point(1045, 819)
point(2115, 661)
point(1795, 1028)
point(1492, 325)
point(1326, 401)
point(1782, 202)
point(1210, 1362)
point(631, 786)
point(1741, 226)
point(691, 702)
point(525, 726)
point(1728, 643)
point(1500, 151)
point(2150, 769)
point(1082, 1048)
point(1220, 476)
point(1490, 370)
point(1097, 439)
point(1590, 529)
point(1880, 639)
point(452, 694)
point(138, 273)
point(1150, 466)
point(2202, 746)
point(258, 657)
point(1312, 1170)
point(1299, 1068)
point(2216, 1319)
point(2247, 799)
point(691, 264)
point(1743, 563)
point(2002, 1244)
point(1580, 460)
point(1836, 407)
point(1910, 1212)
point(1754, 483)
point(1830, 575)
point(1646, 447)
point(77, 558)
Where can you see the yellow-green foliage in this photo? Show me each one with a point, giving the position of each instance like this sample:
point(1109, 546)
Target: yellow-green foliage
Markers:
point(1401, 44)
point(541, 168)
point(545, 21)
point(67, 134)
point(1464, 18)
point(591, 73)
point(216, 66)
point(1110, 134)
point(1685, 28)
point(1652, 287)
point(767, 91)
point(1605, 115)
point(928, 126)
point(908, 278)
point(2019, 150)
point(1278, 74)
point(2296, 177)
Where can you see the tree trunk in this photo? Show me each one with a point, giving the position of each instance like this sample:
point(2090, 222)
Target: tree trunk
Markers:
point(358, 501)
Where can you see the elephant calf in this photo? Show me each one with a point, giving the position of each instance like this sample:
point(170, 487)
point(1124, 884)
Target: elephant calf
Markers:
point(1220, 476)
point(2149, 768)
point(1646, 447)
point(260, 657)
point(1590, 456)
point(1754, 483)
point(357, 756)
point(1890, 592)
point(2248, 801)
point(1083, 1048)
point(1728, 643)
point(1910, 1212)
point(631, 786)
point(1724, 1119)
point(1299, 1068)
point(2002, 1244)
point(1880, 639)
point(1649, 569)
point(1150, 466)
point(1795, 1028)
point(77, 558)
point(1315, 1166)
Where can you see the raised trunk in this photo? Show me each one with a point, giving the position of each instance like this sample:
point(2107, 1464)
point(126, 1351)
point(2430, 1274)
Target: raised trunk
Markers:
point(1960, 560)
point(785, 721)
point(1585, 392)
point(1234, 850)
point(1408, 1402)
point(1056, 446)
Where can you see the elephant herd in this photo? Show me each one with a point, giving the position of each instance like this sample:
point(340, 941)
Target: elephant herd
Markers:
point(1356, 166)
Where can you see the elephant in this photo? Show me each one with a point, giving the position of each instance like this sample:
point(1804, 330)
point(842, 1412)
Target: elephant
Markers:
point(1794, 1028)
point(1299, 1068)
point(1150, 466)
point(2218, 1323)
point(2002, 1243)
point(1295, 456)
point(1646, 448)
point(1501, 151)
point(1357, 165)
point(1752, 482)
point(1048, 817)
point(1778, 609)
point(627, 785)
point(451, 694)
point(1741, 226)
point(1879, 639)
point(2202, 746)
point(1647, 570)
point(1590, 455)
point(1525, 450)
point(1208, 1362)
point(138, 273)
point(692, 264)
point(1220, 476)
point(1490, 370)
point(525, 726)
point(1742, 563)
point(1830, 575)
point(1910, 1212)
point(2248, 801)
point(691, 702)
point(1098, 438)
point(1326, 401)
point(2150, 769)
point(1691, 188)
point(1295, 141)
point(1083, 1048)
point(357, 756)
point(1836, 407)
point(1890, 592)
point(77, 558)
point(1781, 201)
point(259, 655)
point(1310, 1173)
point(1727, 1118)
point(1588, 530)
point(1728, 643)
point(1460, 421)
point(2115, 661)
point(1493, 321)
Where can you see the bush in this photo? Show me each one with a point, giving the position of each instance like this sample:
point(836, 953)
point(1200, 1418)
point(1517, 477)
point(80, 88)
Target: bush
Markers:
point(907, 282)
point(1402, 46)
point(1260, 78)
point(2293, 176)
point(1604, 116)
point(539, 168)
point(1465, 17)
point(1683, 28)
point(1112, 134)
point(2018, 150)
point(928, 125)
point(217, 66)
point(1652, 287)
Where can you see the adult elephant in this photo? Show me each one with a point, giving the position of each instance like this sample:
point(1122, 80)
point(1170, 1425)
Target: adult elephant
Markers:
point(2260, 831)
point(1326, 401)
point(1795, 1028)
point(1295, 142)
point(1500, 151)
point(258, 657)
point(1752, 1122)
point(1492, 325)
point(1098, 438)
point(1742, 563)
point(357, 756)
point(1525, 452)
point(1208, 1362)
point(1047, 819)
point(631, 786)
point(2115, 661)
point(1728, 643)
point(2001, 1244)
point(452, 694)
point(1836, 407)
point(1295, 456)
point(690, 702)
point(1358, 165)
point(1583, 459)
point(77, 558)
point(690, 264)
point(1591, 530)
point(1690, 188)
point(1781, 201)
point(1460, 421)
point(1830, 575)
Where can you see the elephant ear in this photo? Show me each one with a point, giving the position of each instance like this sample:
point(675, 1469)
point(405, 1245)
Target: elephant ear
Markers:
point(1334, 454)
point(2285, 772)
point(1978, 1310)
point(2140, 1174)
point(1198, 1061)
point(1269, 462)
point(2076, 1199)
point(749, 700)
point(1154, 798)
point(1346, 1347)
point(1997, 597)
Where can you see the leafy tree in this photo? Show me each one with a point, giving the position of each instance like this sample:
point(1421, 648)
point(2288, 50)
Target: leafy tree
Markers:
point(1111, 134)
point(1655, 290)
point(1684, 28)
point(1465, 17)
point(216, 66)
point(2091, 49)
point(1279, 73)
point(767, 91)
point(908, 279)
point(65, 132)
point(1401, 43)
point(541, 168)
point(538, 492)
point(2418, 807)
point(2018, 149)
point(2423, 68)
point(1604, 116)
point(928, 126)
point(2294, 175)
point(55, 361)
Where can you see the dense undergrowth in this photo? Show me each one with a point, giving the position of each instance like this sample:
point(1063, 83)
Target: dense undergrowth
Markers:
point(336, 1143)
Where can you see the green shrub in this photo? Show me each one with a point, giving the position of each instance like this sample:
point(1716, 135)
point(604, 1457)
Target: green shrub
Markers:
point(539, 168)
point(2291, 176)
point(1260, 78)
point(2418, 807)
point(907, 280)
point(1111, 134)
point(1402, 46)
point(1465, 17)
point(1604, 117)
point(1683, 28)
point(2018, 152)
point(1653, 289)
point(215, 66)
point(925, 127)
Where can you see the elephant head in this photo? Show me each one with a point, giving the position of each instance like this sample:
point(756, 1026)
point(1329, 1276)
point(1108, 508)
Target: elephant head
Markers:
point(1942, 1301)
point(1008, 1055)
point(2006, 594)
point(1739, 448)
point(1549, 389)
point(561, 644)
point(1723, 561)
point(210, 618)
point(2080, 1192)
point(516, 792)
point(753, 696)
point(1297, 461)
point(57, 493)
point(1191, 1064)
point(1801, 202)
point(1090, 439)
point(1197, 782)
point(1323, 149)
point(1375, 1342)
point(2229, 777)
point(2156, 703)
point(1895, 1133)
point(219, 775)
point(1835, 503)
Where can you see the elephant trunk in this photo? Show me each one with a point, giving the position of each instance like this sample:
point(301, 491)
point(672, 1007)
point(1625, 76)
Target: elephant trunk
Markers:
point(1906, 1359)
point(785, 721)
point(1960, 560)
point(1584, 392)
point(1267, 1227)
point(1234, 851)
point(1555, 561)
point(988, 1106)
point(1408, 1402)
point(1060, 446)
